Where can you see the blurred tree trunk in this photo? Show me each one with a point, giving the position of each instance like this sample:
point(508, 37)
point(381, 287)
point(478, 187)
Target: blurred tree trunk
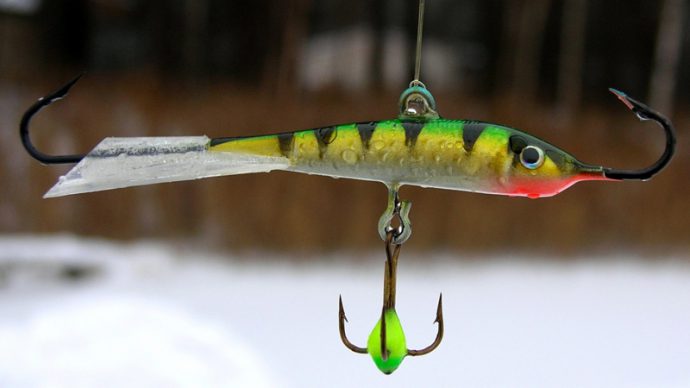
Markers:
point(523, 38)
point(506, 48)
point(378, 30)
point(66, 32)
point(411, 20)
point(668, 51)
point(282, 72)
point(573, 38)
point(530, 40)
point(17, 35)
point(195, 37)
point(158, 23)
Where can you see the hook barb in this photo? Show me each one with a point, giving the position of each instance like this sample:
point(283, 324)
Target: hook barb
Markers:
point(439, 333)
point(31, 112)
point(645, 113)
point(342, 319)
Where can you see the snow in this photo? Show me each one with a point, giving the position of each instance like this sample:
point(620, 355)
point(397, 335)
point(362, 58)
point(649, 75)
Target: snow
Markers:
point(151, 314)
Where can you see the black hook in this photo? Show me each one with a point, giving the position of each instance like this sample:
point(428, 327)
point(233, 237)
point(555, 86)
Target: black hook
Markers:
point(644, 113)
point(29, 114)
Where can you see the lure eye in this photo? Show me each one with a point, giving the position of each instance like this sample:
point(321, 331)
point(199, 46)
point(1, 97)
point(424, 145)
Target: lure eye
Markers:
point(532, 157)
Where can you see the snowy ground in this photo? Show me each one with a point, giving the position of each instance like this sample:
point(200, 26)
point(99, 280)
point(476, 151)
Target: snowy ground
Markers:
point(149, 315)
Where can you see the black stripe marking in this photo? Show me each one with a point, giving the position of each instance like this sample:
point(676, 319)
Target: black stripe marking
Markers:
point(516, 144)
point(366, 131)
point(556, 157)
point(412, 131)
point(286, 142)
point(470, 134)
point(325, 136)
point(221, 140)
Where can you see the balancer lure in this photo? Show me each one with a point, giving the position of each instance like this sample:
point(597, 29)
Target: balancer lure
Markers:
point(419, 148)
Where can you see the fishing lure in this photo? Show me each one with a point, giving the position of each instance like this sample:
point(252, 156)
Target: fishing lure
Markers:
point(418, 148)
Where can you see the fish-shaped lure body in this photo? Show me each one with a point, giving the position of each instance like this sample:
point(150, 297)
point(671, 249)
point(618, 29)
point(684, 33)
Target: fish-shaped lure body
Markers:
point(448, 154)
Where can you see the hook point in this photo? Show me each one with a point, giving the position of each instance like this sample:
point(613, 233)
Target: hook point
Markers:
point(439, 309)
point(62, 92)
point(622, 96)
point(341, 310)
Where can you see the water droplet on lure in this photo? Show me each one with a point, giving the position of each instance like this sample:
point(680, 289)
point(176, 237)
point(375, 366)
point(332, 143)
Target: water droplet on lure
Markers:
point(349, 156)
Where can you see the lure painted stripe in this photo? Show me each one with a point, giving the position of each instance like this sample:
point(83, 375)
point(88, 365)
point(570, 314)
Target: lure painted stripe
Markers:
point(366, 131)
point(470, 134)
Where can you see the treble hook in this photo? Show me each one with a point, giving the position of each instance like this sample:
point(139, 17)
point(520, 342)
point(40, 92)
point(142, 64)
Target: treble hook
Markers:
point(645, 113)
point(29, 114)
point(386, 344)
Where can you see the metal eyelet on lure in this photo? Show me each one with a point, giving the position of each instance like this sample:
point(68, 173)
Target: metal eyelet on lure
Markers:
point(419, 148)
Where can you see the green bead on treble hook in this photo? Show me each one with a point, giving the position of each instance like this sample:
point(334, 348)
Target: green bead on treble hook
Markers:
point(389, 355)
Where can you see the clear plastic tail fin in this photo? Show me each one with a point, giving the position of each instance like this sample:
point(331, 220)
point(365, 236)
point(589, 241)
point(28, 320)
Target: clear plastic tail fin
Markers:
point(123, 162)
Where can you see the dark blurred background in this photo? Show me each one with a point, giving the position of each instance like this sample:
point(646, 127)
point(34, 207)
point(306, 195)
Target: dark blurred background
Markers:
point(224, 68)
